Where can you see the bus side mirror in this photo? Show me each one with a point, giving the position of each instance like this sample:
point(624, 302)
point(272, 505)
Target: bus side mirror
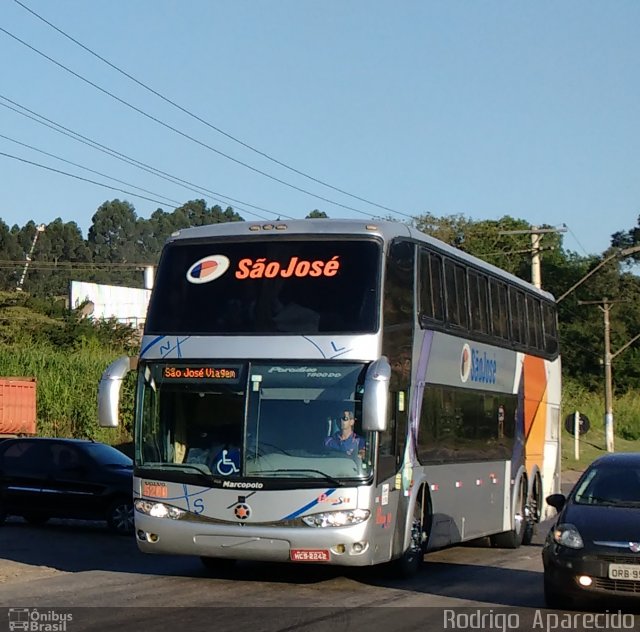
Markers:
point(376, 396)
point(109, 391)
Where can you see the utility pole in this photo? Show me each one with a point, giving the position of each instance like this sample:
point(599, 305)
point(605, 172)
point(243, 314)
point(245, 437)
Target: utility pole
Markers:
point(536, 276)
point(608, 386)
point(39, 229)
point(605, 305)
point(536, 238)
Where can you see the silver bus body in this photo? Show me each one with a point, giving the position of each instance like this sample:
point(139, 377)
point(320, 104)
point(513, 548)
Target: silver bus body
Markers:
point(456, 496)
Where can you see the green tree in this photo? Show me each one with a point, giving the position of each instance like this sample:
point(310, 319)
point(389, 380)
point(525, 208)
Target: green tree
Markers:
point(57, 249)
point(196, 213)
point(316, 214)
point(112, 235)
point(484, 239)
point(113, 239)
point(10, 251)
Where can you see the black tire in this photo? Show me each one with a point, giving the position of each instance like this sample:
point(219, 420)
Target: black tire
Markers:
point(120, 516)
point(218, 565)
point(35, 520)
point(529, 532)
point(513, 539)
point(410, 562)
point(533, 513)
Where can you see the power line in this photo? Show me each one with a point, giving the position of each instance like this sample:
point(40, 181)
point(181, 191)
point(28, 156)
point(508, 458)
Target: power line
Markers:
point(200, 190)
point(201, 120)
point(77, 177)
point(578, 242)
point(75, 164)
point(505, 253)
point(80, 265)
point(184, 134)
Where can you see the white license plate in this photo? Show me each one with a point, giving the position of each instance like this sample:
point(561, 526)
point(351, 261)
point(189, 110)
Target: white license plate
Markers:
point(309, 555)
point(624, 571)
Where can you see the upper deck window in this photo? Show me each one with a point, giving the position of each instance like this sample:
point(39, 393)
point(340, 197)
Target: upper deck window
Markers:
point(256, 287)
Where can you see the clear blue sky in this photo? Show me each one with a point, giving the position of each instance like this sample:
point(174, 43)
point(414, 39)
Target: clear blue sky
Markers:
point(528, 109)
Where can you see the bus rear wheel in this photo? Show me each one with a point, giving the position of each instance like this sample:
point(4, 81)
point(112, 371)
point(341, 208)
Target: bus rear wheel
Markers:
point(533, 511)
point(529, 532)
point(513, 539)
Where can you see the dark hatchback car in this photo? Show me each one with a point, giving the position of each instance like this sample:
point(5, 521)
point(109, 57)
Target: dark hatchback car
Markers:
point(592, 552)
point(43, 478)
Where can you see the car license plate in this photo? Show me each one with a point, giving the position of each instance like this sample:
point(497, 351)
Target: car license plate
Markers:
point(624, 571)
point(309, 555)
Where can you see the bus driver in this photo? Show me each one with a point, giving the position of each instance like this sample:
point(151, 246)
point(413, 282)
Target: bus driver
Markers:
point(346, 440)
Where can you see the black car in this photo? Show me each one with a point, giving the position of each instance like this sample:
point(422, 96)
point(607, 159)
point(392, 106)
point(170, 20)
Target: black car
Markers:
point(43, 478)
point(592, 552)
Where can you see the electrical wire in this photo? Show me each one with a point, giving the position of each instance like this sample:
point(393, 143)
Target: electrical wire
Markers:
point(75, 265)
point(75, 164)
point(200, 119)
point(77, 177)
point(184, 134)
point(200, 190)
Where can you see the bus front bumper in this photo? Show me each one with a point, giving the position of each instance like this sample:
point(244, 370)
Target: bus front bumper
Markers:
point(346, 546)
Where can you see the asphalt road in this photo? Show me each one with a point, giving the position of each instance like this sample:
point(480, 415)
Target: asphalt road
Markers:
point(84, 578)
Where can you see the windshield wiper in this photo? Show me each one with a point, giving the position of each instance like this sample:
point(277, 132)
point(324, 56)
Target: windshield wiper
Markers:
point(260, 452)
point(599, 500)
point(324, 475)
point(177, 466)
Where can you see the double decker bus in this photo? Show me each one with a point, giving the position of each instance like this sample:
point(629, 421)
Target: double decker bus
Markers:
point(261, 338)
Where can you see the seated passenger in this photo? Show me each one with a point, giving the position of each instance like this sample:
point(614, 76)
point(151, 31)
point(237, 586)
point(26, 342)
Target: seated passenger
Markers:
point(225, 449)
point(346, 440)
point(216, 450)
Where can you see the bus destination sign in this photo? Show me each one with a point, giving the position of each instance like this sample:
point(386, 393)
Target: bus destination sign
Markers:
point(205, 373)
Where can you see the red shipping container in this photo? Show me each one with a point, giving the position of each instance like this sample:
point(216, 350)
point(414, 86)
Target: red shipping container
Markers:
point(17, 405)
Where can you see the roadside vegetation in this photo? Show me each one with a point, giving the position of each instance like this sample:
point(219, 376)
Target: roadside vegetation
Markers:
point(592, 444)
point(42, 337)
point(67, 355)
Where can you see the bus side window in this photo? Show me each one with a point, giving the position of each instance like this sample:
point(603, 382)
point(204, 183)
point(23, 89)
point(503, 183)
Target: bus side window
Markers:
point(387, 439)
point(387, 447)
point(392, 441)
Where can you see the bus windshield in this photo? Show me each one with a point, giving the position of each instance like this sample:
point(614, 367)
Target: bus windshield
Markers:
point(258, 420)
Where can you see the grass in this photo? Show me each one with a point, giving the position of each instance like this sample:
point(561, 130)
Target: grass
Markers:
point(591, 446)
point(67, 384)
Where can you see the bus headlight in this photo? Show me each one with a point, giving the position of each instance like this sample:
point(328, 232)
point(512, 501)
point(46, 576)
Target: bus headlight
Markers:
point(336, 518)
point(158, 510)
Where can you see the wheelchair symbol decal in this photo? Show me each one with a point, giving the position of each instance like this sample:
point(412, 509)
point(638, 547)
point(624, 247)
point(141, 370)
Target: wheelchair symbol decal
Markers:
point(226, 466)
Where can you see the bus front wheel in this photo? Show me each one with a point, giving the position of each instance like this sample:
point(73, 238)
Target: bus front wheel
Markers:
point(410, 562)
